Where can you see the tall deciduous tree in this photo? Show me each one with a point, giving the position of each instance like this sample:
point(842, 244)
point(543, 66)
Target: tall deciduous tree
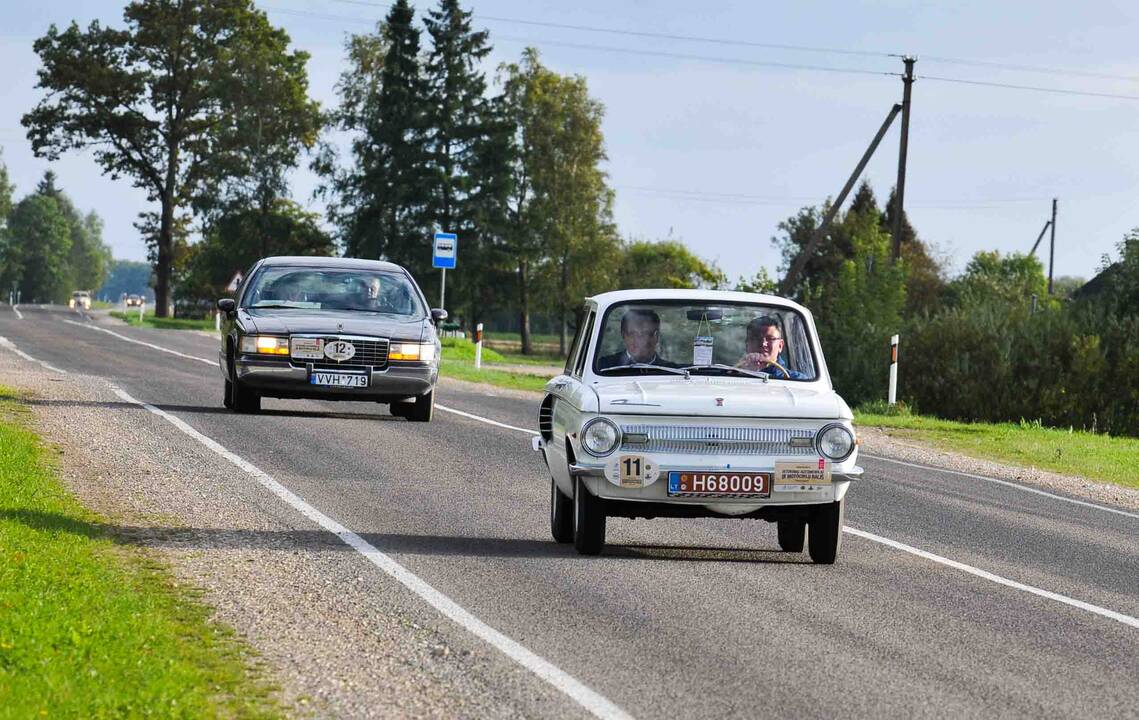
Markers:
point(88, 257)
point(7, 269)
point(560, 219)
point(150, 100)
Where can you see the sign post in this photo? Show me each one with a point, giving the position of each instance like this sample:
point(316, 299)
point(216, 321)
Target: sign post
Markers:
point(893, 396)
point(444, 250)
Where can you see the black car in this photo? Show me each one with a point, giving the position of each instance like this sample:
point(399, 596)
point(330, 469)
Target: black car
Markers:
point(330, 329)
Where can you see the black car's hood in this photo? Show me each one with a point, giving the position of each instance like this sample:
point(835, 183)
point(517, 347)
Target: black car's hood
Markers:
point(282, 321)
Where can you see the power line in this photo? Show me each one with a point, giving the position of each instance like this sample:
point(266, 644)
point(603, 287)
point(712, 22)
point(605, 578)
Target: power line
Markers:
point(1027, 68)
point(624, 51)
point(1033, 88)
point(652, 35)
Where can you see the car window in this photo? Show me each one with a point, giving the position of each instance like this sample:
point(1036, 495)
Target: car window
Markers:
point(587, 331)
point(684, 334)
point(578, 342)
point(389, 293)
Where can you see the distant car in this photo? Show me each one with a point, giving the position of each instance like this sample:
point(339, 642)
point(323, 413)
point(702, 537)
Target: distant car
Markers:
point(80, 300)
point(330, 329)
point(134, 300)
point(697, 403)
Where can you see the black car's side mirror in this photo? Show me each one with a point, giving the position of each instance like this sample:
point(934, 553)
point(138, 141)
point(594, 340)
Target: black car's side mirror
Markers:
point(227, 305)
point(438, 315)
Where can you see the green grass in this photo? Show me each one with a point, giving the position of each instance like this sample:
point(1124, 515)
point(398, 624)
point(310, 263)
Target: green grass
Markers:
point(460, 349)
point(93, 629)
point(1027, 444)
point(465, 370)
point(148, 320)
point(517, 337)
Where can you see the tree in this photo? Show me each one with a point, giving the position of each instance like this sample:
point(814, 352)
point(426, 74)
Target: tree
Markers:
point(990, 277)
point(88, 257)
point(41, 240)
point(125, 277)
point(380, 202)
point(762, 282)
point(8, 273)
point(154, 101)
point(238, 239)
point(465, 157)
point(665, 264)
point(925, 274)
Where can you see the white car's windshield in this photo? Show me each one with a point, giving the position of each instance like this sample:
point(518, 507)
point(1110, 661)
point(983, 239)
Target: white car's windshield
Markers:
point(333, 289)
point(704, 338)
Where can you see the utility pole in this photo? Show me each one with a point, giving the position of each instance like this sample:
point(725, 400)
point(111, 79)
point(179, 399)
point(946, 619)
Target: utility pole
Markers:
point(900, 194)
point(806, 253)
point(1052, 247)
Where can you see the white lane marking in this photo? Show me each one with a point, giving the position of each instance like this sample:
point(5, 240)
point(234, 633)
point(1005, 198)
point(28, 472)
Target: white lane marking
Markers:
point(1006, 483)
point(488, 421)
point(589, 699)
point(19, 314)
point(5, 342)
point(144, 344)
point(1112, 614)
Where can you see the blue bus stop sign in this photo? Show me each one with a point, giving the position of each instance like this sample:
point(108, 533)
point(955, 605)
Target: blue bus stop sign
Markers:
point(444, 250)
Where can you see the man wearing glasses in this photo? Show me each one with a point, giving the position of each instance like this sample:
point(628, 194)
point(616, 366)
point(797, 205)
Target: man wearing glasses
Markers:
point(640, 331)
point(763, 347)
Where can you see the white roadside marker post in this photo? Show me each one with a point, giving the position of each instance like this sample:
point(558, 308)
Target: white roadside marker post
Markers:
point(141, 307)
point(478, 346)
point(893, 399)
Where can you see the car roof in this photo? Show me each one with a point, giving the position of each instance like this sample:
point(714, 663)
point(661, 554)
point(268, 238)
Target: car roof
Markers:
point(604, 300)
point(329, 262)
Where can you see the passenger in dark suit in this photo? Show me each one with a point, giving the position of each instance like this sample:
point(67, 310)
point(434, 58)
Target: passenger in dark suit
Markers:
point(640, 330)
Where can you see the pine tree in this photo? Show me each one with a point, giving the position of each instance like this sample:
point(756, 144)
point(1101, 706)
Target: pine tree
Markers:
point(459, 146)
point(387, 190)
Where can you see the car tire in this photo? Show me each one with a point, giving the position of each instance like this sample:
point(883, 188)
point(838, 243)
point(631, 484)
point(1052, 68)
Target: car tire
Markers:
point(244, 399)
point(791, 534)
point(588, 520)
point(825, 536)
point(400, 409)
point(227, 396)
point(422, 409)
point(561, 514)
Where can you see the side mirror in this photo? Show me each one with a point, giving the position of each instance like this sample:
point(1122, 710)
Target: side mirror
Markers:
point(227, 305)
point(438, 315)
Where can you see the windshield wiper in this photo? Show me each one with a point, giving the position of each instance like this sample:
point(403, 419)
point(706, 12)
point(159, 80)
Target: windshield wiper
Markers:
point(731, 368)
point(648, 366)
point(275, 306)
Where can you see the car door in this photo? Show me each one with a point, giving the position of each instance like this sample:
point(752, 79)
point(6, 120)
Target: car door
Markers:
point(564, 405)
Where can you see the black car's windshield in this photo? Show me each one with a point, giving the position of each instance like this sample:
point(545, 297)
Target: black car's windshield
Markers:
point(745, 340)
point(390, 293)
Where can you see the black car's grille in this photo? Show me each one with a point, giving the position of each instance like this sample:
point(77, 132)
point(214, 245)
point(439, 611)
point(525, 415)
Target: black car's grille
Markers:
point(369, 353)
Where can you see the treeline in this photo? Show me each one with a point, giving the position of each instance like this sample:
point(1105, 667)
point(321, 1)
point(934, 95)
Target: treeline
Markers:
point(48, 248)
point(990, 344)
point(512, 164)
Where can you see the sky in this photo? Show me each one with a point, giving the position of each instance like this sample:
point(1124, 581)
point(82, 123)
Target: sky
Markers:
point(747, 111)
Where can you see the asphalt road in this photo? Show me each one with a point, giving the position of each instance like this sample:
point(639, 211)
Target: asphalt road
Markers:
point(682, 618)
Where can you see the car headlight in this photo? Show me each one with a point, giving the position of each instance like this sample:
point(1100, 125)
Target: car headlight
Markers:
point(265, 345)
point(835, 442)
point(600, 436)
point(423, 352)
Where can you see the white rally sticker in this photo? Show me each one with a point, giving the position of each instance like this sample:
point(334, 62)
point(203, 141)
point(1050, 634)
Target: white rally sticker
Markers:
point(632, 471)
point(307, 348)
point(811, 472)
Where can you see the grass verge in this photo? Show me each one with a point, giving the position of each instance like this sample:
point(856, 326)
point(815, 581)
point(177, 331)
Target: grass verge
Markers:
point(1027, 444)
point(465, 370)
point(89, 628)
point(148, 320)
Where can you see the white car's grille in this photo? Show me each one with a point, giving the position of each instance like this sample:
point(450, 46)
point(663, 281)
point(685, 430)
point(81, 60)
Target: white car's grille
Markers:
point(696, 439)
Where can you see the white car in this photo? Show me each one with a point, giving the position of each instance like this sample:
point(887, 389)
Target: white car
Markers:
point(79, 300)
point(697, 403)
